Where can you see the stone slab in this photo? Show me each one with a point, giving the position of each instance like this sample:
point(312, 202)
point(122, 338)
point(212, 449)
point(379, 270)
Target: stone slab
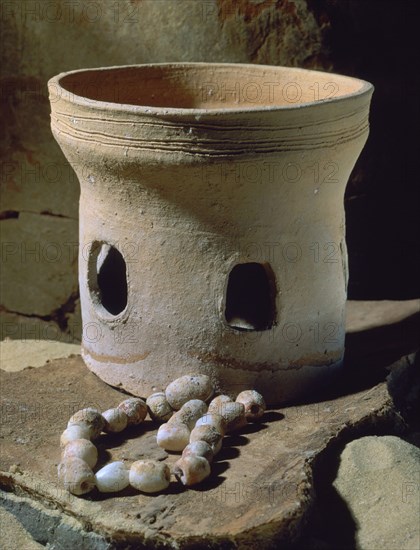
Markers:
point(261, 486)
point(362, 315)
point(16, 355)
point(386, 513)
point(13, 535)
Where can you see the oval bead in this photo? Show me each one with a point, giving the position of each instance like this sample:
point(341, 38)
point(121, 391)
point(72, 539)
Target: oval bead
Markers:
point(192, 469)
point(73, 432)
point(199, 448)
point(158, 407)
point(216, 404)
point(135, 409)
point(189, 413)
point(76, 476)
point(210, 435)
point(215, 420)
point(185, 388)
point(234, 415)
point(173, 437)
point(254, 404)
point(116, 420)
point(112, 478)
point(83, 449)
point(91, 418)
point(149, 476)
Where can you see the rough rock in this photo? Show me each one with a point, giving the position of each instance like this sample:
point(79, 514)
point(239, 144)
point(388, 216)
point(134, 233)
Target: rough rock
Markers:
point(63, 324)
point(379, 479)
point(13, 535)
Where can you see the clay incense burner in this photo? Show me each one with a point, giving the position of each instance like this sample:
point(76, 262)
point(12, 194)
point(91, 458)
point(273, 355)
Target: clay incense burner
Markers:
point(212, 229)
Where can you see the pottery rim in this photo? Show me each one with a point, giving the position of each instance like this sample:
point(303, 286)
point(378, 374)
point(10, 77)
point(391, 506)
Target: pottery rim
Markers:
point(58, 83)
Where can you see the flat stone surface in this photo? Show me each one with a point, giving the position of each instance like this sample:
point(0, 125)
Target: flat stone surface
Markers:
point(363, 315)
point(379, 478)
point(261, 485)
point(16, 355)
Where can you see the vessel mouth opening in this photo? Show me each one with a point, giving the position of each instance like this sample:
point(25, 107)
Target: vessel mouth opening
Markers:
point(208, 86)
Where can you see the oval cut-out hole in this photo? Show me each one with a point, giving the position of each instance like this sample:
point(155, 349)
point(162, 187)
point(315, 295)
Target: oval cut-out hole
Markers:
point(250, 297)
point(108, 277)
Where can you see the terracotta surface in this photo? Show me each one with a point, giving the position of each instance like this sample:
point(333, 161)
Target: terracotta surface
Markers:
point(188, 171)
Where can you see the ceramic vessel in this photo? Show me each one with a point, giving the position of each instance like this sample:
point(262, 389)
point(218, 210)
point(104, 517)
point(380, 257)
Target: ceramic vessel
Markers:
point(212, 229)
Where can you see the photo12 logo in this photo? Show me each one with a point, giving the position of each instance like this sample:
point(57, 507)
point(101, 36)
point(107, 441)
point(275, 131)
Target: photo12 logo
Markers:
point(263, 93)
point(75, 12)
point(239, 492)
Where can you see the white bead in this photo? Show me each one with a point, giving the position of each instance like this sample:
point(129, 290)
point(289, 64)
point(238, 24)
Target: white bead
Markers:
point(73, 432)
point(149, 476)
point(234, 415)
point(199, 448)
point(135, 409)
point(76, 476)
point(91, 418)
point(190, 470)
point(210, 435)
point(189, 413)
point(216, 404)
point(254, 404)
point(185, 388)
point(112, 478)
point(83, 449)
point(116, 420)
point(159, 408)
point(173, 437)
point(215, 420)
